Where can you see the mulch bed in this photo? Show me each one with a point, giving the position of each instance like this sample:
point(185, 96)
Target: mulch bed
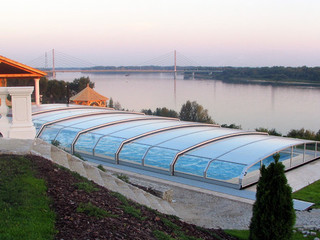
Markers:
point(71, 224)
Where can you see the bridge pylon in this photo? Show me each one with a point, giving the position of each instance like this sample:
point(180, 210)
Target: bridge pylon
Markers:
point(53, 67)
point(175, 64)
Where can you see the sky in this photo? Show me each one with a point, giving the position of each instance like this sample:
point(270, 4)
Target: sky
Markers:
point(250, 33)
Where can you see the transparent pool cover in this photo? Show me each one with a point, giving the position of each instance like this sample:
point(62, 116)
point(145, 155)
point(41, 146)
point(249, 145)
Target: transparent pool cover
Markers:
point(192, 150)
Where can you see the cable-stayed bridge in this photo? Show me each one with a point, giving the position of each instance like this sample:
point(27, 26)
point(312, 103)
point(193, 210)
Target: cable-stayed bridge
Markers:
point(173, 62)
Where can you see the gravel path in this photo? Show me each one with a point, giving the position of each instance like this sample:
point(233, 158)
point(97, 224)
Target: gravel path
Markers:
point(213, 211)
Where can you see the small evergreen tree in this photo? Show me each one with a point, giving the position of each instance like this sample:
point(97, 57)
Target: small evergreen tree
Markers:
point(273, 213)
point(111, 103)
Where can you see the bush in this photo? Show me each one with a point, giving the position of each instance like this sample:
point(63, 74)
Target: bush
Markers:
point(194, 112)
point(94, 211)
point(86, 186)
point(273, 213)
point(123, 177)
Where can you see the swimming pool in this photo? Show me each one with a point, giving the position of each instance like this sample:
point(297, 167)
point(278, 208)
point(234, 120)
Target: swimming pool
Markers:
point(200, 151)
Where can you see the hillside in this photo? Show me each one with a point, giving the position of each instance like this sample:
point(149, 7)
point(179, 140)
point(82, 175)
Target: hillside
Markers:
point(85, 210)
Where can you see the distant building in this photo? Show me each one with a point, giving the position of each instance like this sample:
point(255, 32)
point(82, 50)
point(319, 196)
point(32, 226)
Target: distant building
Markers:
point(89, 97)
point(10, 69)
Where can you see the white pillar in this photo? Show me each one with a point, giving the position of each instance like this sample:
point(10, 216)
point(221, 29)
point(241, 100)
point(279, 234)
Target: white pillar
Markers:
point(4, 121)
point(22, 126)
point(37, 91)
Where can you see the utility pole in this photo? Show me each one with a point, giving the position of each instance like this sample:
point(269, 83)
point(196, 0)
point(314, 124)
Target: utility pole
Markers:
point(53, 70)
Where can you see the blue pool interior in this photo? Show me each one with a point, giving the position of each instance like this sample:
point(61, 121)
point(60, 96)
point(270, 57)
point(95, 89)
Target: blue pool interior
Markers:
point(198, 151)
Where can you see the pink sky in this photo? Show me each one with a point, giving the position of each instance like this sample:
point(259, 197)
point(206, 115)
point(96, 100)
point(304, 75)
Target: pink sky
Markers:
point(126, 32)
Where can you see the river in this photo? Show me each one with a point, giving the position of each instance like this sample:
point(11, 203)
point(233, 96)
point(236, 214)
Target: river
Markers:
point(249, 105)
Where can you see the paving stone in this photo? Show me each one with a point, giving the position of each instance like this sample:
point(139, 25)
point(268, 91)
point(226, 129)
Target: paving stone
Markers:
point(93, 174)
point(77, 166)
point(59, 157)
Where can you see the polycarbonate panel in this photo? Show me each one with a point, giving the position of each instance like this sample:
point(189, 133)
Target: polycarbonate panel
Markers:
point(226, 171)
point(255, 167)
point(95, 121)
point(50, 133)
point(220, 147)
point(310, 152)
point(83, 120)
point(297, 158)
point(86, 142)
point(191, 165)
point(133, 152)
point(160, 157)
point(38, 124)
point(132, 132)
point(192, 139)
point(285, 157)
point(70, 121)
point(167, 135)
point(255, 151)
point(108, 146)
point(123, 126)
point(252, 175)
point(51, 116)
point(66, 137)
point(43, 107)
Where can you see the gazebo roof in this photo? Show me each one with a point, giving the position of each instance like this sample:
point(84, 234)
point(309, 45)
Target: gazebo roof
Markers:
point(88, 94)
point(13, 69)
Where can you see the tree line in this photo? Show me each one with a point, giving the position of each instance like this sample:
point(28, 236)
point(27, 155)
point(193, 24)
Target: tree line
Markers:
point(192, 111)
point(55, 91)
point(274, 74)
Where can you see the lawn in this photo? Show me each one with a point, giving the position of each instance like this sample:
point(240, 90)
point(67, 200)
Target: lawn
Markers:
point(24, 206)
point(244, 235)
point(310, 193)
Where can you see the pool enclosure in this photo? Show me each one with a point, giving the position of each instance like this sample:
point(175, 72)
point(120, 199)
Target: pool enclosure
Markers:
point(204, 152)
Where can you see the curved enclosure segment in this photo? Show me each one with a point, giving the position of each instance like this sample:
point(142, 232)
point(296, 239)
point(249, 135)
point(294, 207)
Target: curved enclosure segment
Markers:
point(198, 151)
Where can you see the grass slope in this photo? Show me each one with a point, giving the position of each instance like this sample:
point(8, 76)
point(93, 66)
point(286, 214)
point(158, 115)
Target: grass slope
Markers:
point(83, 210)
point(244, 235)
point(24, 207)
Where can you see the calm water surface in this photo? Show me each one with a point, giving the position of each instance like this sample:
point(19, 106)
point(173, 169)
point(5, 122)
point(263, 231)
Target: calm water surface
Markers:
point(251, 106)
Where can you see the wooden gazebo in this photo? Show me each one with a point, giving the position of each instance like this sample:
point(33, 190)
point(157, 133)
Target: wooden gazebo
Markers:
point(12, 69)
point(89, 97)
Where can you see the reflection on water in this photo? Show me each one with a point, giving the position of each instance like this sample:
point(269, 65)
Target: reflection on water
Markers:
point(251, 106)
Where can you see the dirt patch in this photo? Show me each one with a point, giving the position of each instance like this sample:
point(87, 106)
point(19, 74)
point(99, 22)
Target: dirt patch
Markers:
point(127, 219)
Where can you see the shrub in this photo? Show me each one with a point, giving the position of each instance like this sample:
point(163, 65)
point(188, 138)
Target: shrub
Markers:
point(93, 211)
point(101, 168)
point(273, 213)
point(55, 143)
point(86, 186)
point(123, 177)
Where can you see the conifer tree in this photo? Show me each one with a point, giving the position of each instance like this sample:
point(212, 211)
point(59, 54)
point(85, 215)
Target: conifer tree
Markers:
point(273, 213)
point(111, 103)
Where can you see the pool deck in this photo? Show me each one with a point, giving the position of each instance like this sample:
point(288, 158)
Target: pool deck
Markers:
point(297, 179)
